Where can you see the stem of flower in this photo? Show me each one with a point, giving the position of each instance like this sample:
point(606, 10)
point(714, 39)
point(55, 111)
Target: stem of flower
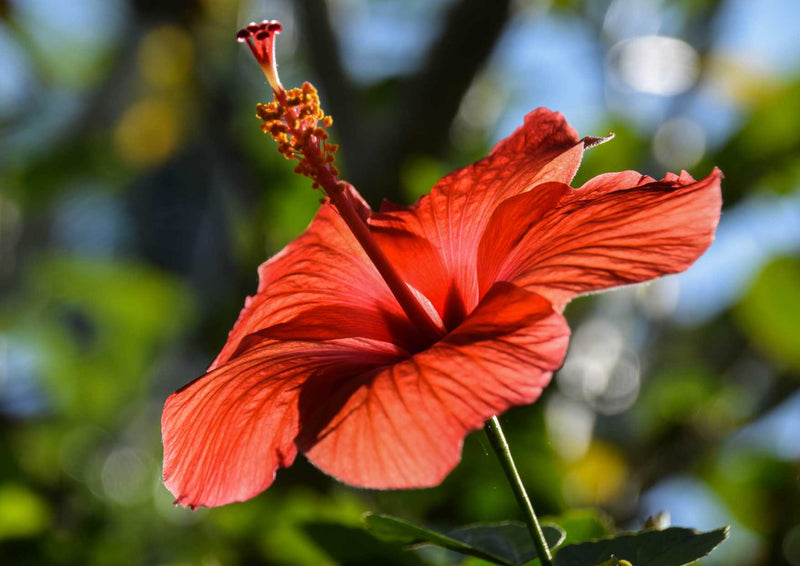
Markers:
point(498, 441)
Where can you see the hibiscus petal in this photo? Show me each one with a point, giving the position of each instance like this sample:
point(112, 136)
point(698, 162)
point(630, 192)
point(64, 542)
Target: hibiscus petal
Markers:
point(331, 322)
point(442, 230)
point(226, 433)
point(325, 266)
point(617, 229)
point(402, 426)
point(510, 224)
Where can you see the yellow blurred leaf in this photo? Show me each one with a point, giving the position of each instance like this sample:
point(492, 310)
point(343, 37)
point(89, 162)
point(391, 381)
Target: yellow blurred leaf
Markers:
point(166, 57)
point(147, 133)
point(598, 477)
point(22, 512)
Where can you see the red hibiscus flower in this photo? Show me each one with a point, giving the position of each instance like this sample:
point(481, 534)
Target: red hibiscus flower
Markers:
point(324, 360)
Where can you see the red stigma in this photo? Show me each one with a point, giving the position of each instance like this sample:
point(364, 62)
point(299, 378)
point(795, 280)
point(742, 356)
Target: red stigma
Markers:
point(260, 38)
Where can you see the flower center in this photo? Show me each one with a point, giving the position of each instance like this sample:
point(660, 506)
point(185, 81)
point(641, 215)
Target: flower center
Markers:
point(296, 122)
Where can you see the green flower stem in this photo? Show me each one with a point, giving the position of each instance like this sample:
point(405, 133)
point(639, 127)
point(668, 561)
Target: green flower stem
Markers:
point(500, 445)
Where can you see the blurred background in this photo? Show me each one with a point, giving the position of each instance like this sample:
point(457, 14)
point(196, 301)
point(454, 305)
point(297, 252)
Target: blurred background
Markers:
point(138, 196)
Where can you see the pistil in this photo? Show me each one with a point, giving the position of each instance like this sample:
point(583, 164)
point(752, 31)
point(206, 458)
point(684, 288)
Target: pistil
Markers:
point(260, 38)
point(297, 123)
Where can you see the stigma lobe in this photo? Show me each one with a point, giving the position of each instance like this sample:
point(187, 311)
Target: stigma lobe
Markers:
point(260, 38)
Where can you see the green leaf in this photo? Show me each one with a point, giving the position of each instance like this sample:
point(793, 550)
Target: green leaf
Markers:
point(670, 547)
point(582, 525)
point(507, 543)
point(352, 546)
point(769, 312)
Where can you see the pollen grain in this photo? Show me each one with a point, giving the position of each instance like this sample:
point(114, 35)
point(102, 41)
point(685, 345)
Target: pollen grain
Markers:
point(296, 122)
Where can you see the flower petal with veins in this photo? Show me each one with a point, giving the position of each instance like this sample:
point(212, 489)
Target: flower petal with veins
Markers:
point(324, 361)
point(403, 425)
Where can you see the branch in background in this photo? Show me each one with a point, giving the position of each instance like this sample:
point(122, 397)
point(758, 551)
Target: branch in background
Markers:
point(323, 48)
point(429, 99)
point(432, 97)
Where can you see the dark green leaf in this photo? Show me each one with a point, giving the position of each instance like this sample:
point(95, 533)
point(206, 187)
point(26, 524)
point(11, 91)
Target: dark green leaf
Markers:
point(583, 524)
point(352, 546)
point(670, 547)
point(507, 543)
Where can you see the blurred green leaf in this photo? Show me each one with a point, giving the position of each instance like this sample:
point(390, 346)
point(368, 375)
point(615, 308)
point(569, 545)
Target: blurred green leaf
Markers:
point(582, 524)
point(675, 395)
point(288, 541)
point(95, 324)
point(766, 146)
point(753, 483)
point(420, 174)
point(769, 312)
point(671, 547)
point(288, 212)
point(506, 543)
point(773, 126)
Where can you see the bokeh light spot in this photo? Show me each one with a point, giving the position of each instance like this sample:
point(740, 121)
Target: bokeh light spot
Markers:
point(659, 299)
point(656, 64)
point(147, 133)
point(600, 369)
point(570, 425)
point(597, 478)
point(679, 143)
point(22, 512)
point(166, 57)
point(125, 476)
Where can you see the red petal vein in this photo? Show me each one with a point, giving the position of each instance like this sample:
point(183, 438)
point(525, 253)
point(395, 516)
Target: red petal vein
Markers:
point(607, 233)
point(403, 425)
point(226, 433)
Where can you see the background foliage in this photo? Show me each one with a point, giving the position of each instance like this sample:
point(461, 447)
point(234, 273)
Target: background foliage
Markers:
point(137, 197)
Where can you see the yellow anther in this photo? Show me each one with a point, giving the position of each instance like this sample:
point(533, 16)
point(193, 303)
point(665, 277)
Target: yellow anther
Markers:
point(297, 123)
